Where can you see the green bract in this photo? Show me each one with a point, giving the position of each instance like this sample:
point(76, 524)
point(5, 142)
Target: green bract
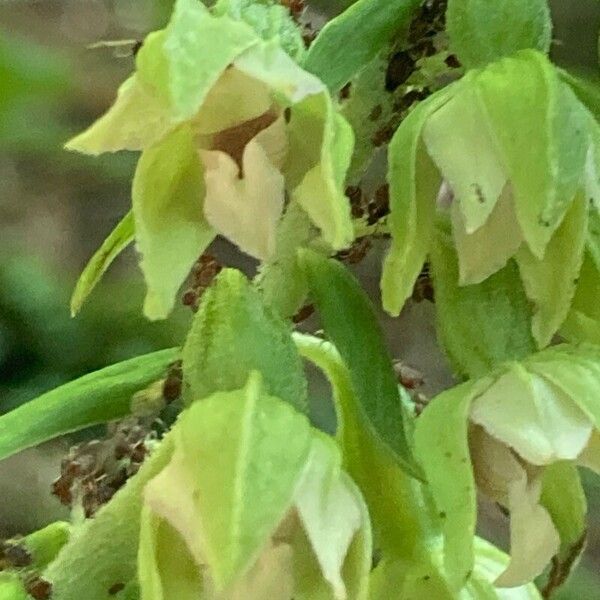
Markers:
point(257, 506)
point(517, 433)
point(228, 125)
point(513, 146)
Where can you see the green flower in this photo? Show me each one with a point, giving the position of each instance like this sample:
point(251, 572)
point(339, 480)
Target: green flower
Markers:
point(519, 435)
point(229, 127)
point(508, 157)
point(253, 504)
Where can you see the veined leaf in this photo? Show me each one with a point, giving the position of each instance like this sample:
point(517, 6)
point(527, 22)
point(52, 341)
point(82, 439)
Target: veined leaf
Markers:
point(482, 325)
point(111, 538)
point(359, 340)
point(233, 334)
point(355, 37)
point(171, 231)
point(550, 283)
point(482, 32)
point(414, 185)
point(121, 236)
point(99, 397)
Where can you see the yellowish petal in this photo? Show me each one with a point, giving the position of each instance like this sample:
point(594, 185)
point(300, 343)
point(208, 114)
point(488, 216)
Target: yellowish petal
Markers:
point(538, 420)
point(246, 210)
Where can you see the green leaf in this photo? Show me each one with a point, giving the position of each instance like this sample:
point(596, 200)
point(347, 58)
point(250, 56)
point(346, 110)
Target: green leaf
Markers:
point(550, 283)
point(480, 326)
point(103, 551)
point(233, 334)
point(541, 132)
point(121, 236)
point(171, 231)
point(253, 449)
point(414, 185)
point(95, 398)
point(586, 89)
point(593, 236)
point(360, 342)
point(442, 448)
point(348, 42)
point(400, 533)
point(583, 321)
point(482, 32)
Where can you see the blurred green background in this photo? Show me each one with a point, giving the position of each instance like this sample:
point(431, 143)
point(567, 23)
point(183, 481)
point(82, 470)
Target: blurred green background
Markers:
point(56, 207)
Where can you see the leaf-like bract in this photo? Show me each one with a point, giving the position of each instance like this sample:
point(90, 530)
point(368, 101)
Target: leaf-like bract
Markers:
point(359, 340)
point(233, 334)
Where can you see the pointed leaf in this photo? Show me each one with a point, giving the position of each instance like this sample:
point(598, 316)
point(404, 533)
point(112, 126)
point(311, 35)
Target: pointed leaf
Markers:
point(355, 37)
point(98, 397)
point(233, 334)
point(171, 232)
point(482, 32)
point(121, 236)
point(480, 326)
point(360, 342)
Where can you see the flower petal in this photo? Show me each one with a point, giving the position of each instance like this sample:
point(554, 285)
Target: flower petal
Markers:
point(246, 210)
point(537, 419)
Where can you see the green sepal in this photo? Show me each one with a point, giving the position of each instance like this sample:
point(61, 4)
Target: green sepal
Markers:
point(351, 40)
point(171, 231)
point(414, 183)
